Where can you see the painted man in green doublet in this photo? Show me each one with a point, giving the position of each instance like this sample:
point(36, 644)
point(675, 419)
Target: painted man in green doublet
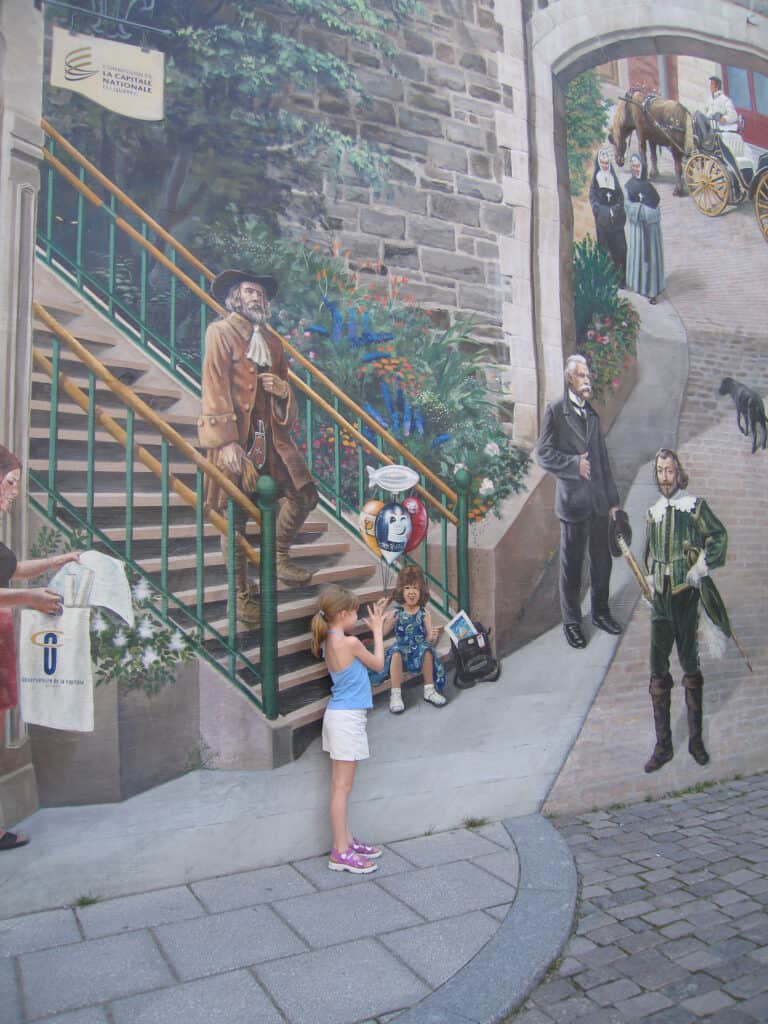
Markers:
point(684, 541)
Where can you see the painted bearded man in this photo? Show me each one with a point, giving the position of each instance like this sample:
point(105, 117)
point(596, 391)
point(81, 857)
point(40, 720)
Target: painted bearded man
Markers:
point(248, 412)
point(684, 541)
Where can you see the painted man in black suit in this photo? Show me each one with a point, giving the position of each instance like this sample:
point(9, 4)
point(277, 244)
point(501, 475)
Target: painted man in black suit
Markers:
point(571, 447)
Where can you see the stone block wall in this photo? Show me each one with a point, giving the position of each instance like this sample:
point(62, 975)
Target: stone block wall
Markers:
point(454, 219)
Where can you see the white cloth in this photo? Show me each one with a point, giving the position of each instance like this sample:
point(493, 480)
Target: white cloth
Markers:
point(258, 350)
point(721, 106)
point(344, 734)
point(102, 581)
point(605, 180)
point(55, 675)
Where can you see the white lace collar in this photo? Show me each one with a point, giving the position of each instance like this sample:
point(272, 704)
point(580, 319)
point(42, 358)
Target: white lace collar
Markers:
point(681, 501)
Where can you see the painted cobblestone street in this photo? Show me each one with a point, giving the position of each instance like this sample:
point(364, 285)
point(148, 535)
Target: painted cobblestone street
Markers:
point(672, 923)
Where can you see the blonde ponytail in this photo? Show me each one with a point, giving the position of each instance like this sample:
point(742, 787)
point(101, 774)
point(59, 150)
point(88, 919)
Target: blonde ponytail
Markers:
point(332, 601)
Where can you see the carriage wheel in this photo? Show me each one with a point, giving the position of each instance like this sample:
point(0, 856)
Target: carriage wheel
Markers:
point(761, 205)
point(707, 183)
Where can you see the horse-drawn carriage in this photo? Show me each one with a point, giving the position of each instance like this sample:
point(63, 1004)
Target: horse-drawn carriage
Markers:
point(722, 172)
point(717, 168)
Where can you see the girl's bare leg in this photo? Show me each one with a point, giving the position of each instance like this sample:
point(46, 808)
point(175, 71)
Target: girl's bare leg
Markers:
point(396, 704)
point(342, 778)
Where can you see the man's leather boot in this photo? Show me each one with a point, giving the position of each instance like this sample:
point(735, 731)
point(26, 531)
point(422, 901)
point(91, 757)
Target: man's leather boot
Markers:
point(661, 697)
point(290, 519)
point(694, 704)
point(248, 603)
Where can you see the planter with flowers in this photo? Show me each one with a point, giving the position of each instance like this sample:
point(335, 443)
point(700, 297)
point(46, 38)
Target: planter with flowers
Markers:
point(146, 708)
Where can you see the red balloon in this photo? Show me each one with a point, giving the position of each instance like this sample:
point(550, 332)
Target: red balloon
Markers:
point(419, 520)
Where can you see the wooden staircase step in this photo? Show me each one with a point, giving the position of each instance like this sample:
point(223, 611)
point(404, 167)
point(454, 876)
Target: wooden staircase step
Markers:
point(114, 466)
point(119, 413)
point(215, 559)
point(187, 531)
point(89, 336)
point(81, 380)
point(219, 592)
point(114, 363)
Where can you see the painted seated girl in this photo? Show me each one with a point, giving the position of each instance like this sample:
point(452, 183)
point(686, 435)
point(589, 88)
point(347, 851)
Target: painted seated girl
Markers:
point(413, 649)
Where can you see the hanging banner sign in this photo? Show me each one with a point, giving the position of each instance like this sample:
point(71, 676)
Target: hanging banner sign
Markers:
point(122, 78)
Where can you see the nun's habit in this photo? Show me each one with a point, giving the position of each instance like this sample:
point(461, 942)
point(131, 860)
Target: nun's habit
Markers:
point(607, 202)
point(645, 254)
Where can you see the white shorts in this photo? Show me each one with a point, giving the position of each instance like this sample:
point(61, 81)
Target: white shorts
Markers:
point(344, 735)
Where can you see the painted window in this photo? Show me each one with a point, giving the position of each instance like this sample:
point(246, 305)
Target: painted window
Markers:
point(738, 88)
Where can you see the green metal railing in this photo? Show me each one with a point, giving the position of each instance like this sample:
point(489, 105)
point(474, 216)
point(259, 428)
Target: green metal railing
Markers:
point(115, 529)
point(154, 290)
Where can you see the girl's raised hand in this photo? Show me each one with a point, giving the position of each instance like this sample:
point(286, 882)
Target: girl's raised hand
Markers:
point(375, 617)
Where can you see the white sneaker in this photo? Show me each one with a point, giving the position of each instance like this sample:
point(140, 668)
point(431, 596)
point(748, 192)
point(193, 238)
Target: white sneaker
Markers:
point(396, 705)
point(432, 696)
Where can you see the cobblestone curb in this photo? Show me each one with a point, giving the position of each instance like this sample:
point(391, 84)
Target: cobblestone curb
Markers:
point(531, 936)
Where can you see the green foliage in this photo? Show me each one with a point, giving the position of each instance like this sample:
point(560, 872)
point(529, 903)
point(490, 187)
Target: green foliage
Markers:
point(424, 384)
point(586, 115)
point(241, 123)
point(606, 324)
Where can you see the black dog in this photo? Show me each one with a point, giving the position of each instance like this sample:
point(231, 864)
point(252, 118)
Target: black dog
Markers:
point(750, 411)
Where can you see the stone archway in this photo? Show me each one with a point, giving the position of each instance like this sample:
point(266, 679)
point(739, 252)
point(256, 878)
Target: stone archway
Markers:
point(562, 38)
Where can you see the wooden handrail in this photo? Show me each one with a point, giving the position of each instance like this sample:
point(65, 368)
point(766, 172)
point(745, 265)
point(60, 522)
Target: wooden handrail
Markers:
point(126, 200)
point(221, 311)
point(126, 395)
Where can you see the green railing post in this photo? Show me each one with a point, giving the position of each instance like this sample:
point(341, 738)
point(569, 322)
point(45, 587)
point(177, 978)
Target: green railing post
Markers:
point(463, 484)
point(266, 499)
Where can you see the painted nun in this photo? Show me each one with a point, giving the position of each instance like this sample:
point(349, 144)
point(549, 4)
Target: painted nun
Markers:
point(607, 202)
point(645, 254)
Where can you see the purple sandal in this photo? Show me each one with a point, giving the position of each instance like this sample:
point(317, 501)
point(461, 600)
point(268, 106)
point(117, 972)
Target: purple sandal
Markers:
point(350, 861)
point(371, 852)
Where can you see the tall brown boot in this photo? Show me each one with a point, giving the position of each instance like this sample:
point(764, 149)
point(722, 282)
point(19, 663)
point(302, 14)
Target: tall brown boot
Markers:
point(290, 519)
point(661, 697)
point(248, 605)
point(694, 704)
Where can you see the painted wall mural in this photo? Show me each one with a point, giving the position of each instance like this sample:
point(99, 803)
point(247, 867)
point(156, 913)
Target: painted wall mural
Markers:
point(299, 274)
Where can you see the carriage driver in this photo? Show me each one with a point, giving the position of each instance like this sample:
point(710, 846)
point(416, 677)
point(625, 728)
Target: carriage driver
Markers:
point(720, 108)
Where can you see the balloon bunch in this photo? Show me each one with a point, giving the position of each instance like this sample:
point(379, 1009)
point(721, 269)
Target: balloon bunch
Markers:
point(393, 528)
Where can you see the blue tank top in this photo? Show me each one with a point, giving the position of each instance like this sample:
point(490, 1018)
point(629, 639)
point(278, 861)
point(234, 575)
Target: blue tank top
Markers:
point(351, 688)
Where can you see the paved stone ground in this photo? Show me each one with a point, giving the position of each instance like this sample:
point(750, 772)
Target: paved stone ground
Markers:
point(284, 944)
point(672, 924)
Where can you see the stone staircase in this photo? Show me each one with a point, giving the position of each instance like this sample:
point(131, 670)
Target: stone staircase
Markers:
point(333, 553)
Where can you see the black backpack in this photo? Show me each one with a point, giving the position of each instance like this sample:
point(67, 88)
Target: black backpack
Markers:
point(474, 660)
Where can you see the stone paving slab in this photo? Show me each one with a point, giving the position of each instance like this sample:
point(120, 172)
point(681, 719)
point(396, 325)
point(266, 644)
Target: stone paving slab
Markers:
point(448, 890)
point(223, 942)
point(38, 931)
point(232, 998)
point(144, 910)
point(232, 892)
point(91, 972)
point(649, 966)
point(435, 952)
point(341, 984)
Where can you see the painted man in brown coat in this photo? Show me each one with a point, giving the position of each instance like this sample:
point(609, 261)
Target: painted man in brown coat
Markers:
point(248, 412)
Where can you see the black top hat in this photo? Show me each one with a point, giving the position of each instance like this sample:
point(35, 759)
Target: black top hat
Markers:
point(227, 279)
point(619, 527)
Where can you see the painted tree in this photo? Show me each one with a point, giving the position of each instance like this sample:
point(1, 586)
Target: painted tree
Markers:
point(245, 121)
point(586, 114)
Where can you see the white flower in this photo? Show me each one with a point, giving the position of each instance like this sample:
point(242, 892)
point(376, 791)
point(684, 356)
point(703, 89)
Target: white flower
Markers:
point(458, 466)
point(120, 639)
point(146, 629)
point(142, 591)
point(177, 642)
point(127, 658)
point(149, 657)
point(492, 448)
point(98, 624)
point(486, 487)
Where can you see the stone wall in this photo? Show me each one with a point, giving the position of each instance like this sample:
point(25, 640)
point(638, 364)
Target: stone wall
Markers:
point(448, 214)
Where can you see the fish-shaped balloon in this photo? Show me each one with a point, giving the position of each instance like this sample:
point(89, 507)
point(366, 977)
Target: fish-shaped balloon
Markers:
point(392, 478)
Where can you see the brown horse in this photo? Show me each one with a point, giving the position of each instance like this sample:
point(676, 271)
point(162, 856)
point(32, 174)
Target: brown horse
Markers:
point(657, 122)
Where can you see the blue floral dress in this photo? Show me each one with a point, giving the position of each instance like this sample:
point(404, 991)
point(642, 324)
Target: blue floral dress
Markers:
point(411, 642)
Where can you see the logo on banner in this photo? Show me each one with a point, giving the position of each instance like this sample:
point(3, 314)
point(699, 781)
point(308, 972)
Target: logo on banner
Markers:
point(51, 640)
point(126, 79)
point(78, 64)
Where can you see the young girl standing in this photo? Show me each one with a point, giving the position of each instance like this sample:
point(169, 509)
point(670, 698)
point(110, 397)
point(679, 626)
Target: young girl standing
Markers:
point(344, 735)
point(414, 637)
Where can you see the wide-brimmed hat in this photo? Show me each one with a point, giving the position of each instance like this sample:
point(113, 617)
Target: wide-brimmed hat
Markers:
point(227, 279)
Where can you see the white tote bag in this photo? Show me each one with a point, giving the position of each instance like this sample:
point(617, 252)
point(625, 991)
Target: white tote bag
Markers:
point(55, 674)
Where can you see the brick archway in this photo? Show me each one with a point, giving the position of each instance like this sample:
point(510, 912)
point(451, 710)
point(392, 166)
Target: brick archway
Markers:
point(561, 39)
